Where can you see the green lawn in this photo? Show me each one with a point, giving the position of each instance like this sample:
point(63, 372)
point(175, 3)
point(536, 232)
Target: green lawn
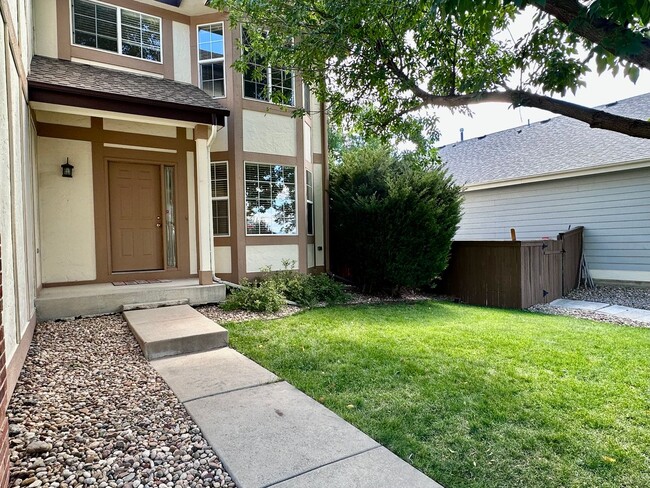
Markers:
point(475, 396)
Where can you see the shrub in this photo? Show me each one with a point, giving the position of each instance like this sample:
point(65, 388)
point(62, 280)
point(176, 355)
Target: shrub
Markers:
point(255, 297)
point(306, 290)
point(392, 219)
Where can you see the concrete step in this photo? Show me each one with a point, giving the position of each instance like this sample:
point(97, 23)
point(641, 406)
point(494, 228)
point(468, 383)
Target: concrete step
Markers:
point(170, 331)
point(103, 298)
point(148, 305)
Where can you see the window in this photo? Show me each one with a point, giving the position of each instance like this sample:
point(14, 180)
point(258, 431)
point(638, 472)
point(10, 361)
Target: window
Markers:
point(211, 59)
point(310, 203)
point(270, 199)
point(116, 30)
point(220, 206)
point(263, 82)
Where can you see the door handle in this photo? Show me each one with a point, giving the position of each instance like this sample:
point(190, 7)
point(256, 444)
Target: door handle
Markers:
point(158, 224)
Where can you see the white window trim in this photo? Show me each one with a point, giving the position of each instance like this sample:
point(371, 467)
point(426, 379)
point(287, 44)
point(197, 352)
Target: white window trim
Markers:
point(308, 201)
point(226, 198)
point(295, 184)
point(199, 62)
point(119, 33)
point(268, 78)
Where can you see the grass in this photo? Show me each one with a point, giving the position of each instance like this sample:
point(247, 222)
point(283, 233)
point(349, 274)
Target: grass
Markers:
point(475, 397)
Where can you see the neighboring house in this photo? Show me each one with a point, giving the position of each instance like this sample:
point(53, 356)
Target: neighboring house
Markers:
point(182, 168)
point(542, 178)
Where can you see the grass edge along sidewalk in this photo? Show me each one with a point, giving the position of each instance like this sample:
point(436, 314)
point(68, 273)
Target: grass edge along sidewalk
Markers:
point(474, 397)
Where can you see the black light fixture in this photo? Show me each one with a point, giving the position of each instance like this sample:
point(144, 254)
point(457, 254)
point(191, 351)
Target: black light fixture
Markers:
point(66, 169)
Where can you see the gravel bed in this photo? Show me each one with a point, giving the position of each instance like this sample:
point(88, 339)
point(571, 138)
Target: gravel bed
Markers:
point(89, 410)
point(221, 316)
point(634, 297)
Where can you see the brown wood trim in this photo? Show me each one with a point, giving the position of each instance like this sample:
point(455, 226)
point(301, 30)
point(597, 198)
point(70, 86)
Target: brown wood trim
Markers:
point(41, 92)
point(205, 278)
point(265, 158)
point(18, 359)
point(168, 48)
point(152, 10)
point(63, 34)
point(201, 132)
point(222, 240)
point(135, 155)
point(266, 107)
point(109, 57)
point(57, 131)
point(326, 186)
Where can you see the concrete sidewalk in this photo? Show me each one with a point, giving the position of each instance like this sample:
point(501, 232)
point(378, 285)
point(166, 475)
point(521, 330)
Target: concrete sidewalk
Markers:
point(266, 432)
point(638, 314)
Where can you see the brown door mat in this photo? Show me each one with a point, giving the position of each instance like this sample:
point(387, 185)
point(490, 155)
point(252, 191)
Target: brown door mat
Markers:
point(139, 282)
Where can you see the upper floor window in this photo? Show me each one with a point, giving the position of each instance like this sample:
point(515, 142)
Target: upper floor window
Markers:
point(211, 59)
point(264, 82)
point(270, 199)
point(116, 29)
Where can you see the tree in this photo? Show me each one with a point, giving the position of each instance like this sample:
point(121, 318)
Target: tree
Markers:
point(383, 64)
point(391, 218)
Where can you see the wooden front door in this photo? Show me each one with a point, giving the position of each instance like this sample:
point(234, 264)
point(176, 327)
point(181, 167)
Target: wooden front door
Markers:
point(135, 216)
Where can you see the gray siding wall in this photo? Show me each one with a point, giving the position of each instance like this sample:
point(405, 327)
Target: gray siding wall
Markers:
point(614, 208)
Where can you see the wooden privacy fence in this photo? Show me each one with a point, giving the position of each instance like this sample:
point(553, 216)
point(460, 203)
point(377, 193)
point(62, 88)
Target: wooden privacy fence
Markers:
point(513, 274)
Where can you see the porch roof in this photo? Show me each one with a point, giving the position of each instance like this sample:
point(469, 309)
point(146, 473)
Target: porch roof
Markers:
point(81, 85)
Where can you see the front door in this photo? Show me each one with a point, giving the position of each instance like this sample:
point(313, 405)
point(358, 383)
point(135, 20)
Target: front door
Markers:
point(136, 216)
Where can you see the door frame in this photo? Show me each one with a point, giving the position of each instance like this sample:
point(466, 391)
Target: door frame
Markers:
point(178, 160)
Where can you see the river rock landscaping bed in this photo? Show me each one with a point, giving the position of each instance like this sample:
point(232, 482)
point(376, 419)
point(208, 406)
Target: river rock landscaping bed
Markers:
point(626, 296)
point(89, 410)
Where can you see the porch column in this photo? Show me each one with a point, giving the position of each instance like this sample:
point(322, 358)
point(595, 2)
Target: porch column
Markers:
point(204, 215)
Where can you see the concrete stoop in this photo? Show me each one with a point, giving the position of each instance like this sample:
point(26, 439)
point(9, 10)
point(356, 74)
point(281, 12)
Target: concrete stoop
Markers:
point(170, 331)
point(104, 298)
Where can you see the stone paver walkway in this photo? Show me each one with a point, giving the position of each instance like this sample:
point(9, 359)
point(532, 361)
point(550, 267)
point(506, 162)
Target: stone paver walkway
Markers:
point(637, 314)
point(268, 433)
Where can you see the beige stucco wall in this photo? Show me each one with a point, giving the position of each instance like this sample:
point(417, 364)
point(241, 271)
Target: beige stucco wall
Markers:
point(269, 133)
point(17, 189)
point(222, 260)
point(45, 28)
point(317, 127)
point(66, 211)
point(62, 119)
point(140, 128)
point(258, 257)
point(220, 142)
point(306, 135)
point(182, 60)
point(319, 221)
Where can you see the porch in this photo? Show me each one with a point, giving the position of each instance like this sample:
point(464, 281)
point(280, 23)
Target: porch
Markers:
point(102, 298)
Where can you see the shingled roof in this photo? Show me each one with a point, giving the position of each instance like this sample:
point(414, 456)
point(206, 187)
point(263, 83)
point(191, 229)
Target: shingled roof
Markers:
point(554, 145)
point(70, 83)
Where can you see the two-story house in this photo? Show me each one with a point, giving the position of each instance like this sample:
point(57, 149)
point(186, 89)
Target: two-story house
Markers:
point(131, 151)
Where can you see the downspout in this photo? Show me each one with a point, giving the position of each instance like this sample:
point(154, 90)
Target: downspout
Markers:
point(213, 134)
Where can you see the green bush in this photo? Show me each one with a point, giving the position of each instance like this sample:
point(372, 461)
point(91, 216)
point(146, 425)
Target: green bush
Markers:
point(392, 220)
point(255, 297)
point(306, 290)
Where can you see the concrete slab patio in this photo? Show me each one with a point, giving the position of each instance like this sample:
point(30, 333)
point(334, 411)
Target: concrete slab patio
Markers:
point(209, 373)
point(169, 331)
point(266, 432)
point(637, 314)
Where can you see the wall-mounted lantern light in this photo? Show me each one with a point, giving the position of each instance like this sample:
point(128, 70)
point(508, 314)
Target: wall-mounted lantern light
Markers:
point(66, 169)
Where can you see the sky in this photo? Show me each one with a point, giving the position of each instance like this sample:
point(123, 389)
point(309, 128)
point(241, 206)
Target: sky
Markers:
point(494, 117)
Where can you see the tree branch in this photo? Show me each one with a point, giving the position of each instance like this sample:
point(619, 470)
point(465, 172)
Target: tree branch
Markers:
point(598, 30)
point(597, 119)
